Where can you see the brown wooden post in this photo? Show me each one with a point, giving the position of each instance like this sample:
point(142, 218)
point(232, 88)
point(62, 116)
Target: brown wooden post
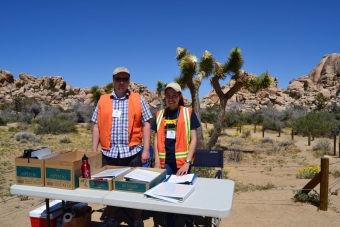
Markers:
point(262, 132)
point(255, 128)
point(308, 138)
point(334, 145)
point(313, 135)
point(292, 134)
point(279, 131)
point(240, 128)
point(324, 184)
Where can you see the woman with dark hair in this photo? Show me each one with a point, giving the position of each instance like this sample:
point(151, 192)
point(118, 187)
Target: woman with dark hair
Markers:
point(175, 138)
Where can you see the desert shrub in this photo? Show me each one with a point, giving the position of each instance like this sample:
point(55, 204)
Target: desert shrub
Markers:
point(312, 197)
point(322, 147)
point(209, 172)
point(308, 172)
point(294, 95)
point(55, 125)
point(232, 119)
point(3, 122)
point(236, 141)
point(83, 112)
point(210, 132)
point(24, 136)
point(265, 187)
point(321, 123)
point(246, 133)
point(208, 117)
point(286, 143)
point(65, 140)
point(235, 156)
point(267, 140)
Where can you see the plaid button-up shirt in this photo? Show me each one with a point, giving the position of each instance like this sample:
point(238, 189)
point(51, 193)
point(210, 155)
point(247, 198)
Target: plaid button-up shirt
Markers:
point(119, 132)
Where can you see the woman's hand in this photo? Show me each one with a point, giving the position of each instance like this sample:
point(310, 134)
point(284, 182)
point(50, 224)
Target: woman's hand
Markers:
point(183, 170)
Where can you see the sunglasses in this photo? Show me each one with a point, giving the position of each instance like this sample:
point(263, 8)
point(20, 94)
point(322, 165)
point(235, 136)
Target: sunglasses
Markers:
point(120, 79)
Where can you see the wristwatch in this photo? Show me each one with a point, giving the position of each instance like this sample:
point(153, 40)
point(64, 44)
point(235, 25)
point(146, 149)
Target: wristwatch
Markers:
point(188, 161)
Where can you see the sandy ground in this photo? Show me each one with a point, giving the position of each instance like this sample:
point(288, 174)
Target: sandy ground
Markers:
point(264, 208)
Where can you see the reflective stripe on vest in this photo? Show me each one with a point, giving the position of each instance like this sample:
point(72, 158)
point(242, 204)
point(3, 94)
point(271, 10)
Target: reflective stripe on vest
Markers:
point(105, 120)
point(182, 136)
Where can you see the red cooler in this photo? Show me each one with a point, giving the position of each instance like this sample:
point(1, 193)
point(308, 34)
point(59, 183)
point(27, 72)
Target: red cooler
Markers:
point(38, 216)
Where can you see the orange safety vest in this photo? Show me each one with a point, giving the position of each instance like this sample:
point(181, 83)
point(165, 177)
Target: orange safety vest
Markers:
point(182, 136)
point(105, 120)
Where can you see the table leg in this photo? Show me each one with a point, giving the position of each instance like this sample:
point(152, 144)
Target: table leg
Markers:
point(47, 201)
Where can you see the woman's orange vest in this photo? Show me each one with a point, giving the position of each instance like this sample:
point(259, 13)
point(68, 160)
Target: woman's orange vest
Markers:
point(182, 136)
point(105, 120)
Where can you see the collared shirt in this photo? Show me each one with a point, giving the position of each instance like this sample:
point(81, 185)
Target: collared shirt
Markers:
point(119, 131)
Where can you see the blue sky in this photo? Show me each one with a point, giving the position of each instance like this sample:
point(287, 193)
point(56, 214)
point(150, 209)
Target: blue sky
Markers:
point(83, 41)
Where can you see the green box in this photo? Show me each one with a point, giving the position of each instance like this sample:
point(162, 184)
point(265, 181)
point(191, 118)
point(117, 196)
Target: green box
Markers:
point(105, 185)
point(139, 187)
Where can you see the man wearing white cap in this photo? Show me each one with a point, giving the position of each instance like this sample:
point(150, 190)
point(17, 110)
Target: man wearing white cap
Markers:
point(121, 123)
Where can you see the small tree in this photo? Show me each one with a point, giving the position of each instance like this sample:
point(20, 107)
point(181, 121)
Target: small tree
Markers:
point(159, 90)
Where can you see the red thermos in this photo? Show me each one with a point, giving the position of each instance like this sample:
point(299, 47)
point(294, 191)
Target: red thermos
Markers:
point(85, 167)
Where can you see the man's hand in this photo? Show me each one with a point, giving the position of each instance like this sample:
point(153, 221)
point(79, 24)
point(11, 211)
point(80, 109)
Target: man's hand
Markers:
point(145, 155)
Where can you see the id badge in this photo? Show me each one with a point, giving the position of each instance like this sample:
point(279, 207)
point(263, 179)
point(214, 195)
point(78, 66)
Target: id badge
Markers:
point(171, 134)
point(116, 113)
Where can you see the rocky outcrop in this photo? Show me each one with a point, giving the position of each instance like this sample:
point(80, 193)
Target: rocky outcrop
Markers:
point(324, 79)
point(6, 78)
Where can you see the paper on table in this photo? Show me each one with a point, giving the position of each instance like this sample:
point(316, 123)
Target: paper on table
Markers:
point(111, 173)
point(170, 192)
point(141, 175)
point(188, 178)
point(51, 155)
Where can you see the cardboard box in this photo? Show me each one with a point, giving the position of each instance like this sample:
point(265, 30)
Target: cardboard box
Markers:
point(106, 185)
point(30, 171)
point(64, 170)
point(82, 221)
point(120, 184)
point(38, 215)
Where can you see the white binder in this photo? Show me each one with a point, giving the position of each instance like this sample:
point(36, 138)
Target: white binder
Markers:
point(170, 192)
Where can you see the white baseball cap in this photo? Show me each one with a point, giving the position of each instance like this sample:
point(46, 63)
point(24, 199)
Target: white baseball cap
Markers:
point(121, 70)
point(174, 86)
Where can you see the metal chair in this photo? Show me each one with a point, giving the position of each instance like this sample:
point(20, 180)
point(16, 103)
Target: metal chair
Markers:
point(210, 158)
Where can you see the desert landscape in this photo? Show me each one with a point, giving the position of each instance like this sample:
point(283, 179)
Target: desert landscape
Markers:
point(265, 179)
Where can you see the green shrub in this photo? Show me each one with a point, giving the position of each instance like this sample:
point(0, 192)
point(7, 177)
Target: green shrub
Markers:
point(3, 122)
point(312, 197)
point(321, 123)
point(55, 125)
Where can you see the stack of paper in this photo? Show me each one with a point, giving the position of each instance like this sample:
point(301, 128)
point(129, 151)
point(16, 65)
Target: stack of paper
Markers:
point(141, 175)
point(170, 192)
point(110, 173)
point(185, 179)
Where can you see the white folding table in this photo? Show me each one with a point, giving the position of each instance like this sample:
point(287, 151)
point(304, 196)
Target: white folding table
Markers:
point(212, 198)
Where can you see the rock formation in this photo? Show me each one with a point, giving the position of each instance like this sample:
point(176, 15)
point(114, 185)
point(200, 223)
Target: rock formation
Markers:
point(324, 79)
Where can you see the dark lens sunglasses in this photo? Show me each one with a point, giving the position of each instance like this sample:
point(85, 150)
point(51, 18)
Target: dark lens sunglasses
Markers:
point(120, 79)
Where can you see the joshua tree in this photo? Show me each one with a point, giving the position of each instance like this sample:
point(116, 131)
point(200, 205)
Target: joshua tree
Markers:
point(242, 79)
point(160, 88)
point(193, 72)
point(189, 67)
